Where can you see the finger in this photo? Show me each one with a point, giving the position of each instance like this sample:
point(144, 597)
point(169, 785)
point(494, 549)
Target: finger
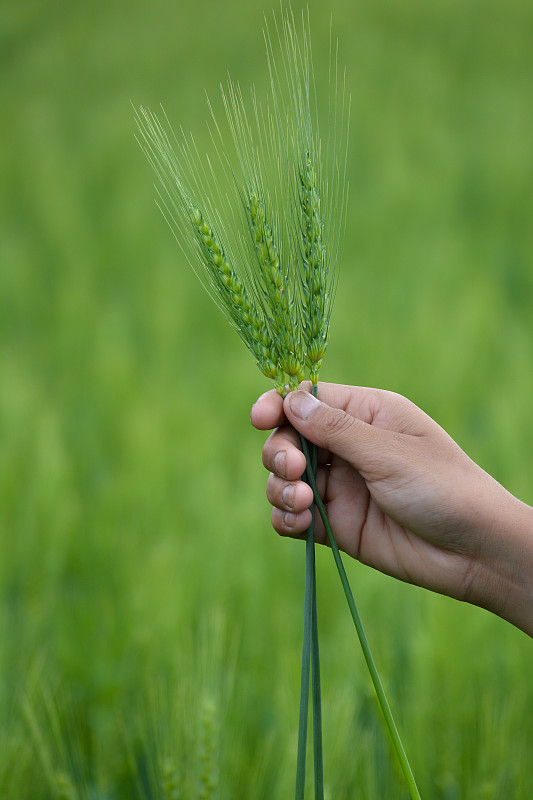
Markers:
point(267, 412)
point(287, 523)
point(293, 496)
point(295, 523)
point(282, 454)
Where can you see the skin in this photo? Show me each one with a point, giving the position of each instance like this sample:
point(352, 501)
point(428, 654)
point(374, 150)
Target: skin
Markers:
point(401, 496)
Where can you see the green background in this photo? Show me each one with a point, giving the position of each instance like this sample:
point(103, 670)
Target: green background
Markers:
point(150, 619)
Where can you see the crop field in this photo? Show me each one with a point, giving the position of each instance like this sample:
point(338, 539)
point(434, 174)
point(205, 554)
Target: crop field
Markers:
point(150, 618)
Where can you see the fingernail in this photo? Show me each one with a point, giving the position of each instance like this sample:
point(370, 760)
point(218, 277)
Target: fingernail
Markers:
point(289, 519)
point(288, 496)
point(280, 460)
point(302, 404)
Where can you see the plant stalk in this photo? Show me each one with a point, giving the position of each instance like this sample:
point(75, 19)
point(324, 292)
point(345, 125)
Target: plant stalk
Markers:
point(310, 659)
point(315, 659)
point(378, 686)
point(306, 664)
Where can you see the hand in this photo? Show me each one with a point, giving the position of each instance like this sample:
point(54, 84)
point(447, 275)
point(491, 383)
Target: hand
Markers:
point(401, 496)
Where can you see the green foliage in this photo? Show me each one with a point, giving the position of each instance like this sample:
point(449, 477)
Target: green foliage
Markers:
point(138, 571)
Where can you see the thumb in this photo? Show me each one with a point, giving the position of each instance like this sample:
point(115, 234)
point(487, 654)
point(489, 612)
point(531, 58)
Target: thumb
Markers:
point(334, 429)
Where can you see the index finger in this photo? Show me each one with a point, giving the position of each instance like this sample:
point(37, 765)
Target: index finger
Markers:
point(267, 412)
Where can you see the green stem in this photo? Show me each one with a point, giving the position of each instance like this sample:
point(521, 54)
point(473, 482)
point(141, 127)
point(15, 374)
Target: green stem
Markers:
point(383, 702)
point(310, 659)
point(315, 658)
point(317, 697)
point(306, 664)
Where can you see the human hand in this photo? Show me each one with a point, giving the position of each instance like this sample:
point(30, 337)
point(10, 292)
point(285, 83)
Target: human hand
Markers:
point(401, 496)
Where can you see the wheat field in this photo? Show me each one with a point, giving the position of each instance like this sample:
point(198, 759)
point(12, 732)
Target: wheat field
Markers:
point(150, 628)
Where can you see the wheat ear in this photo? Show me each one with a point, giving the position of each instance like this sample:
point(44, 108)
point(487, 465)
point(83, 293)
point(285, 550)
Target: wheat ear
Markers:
point(315, 312)
point(235, 299)
point(287, 341)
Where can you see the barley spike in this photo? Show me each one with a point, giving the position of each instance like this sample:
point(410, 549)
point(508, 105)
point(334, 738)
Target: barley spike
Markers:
point(315, 316)
point(235, 299)
point(287, 344)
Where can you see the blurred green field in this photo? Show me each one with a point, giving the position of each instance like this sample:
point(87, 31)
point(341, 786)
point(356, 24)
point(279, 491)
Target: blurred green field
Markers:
point(150, 619)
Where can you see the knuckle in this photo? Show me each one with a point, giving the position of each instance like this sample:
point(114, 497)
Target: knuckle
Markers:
point(336, 422)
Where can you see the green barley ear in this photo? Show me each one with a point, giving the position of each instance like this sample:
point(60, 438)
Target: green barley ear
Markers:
point(234, 299)
point(65, 787)
point(287, 341)
point(316, 295)
point(182, 182)
point(315, 147)
point(170, 781)
point(207, 779)
point(276, 289)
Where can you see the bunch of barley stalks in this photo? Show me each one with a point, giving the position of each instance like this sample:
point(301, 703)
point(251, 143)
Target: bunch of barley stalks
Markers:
point(260, 224)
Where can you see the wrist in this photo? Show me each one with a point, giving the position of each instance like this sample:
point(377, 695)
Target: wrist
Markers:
point(505, 574)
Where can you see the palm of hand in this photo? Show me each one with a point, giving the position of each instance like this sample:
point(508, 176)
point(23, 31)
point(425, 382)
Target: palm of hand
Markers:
point(382, 517)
